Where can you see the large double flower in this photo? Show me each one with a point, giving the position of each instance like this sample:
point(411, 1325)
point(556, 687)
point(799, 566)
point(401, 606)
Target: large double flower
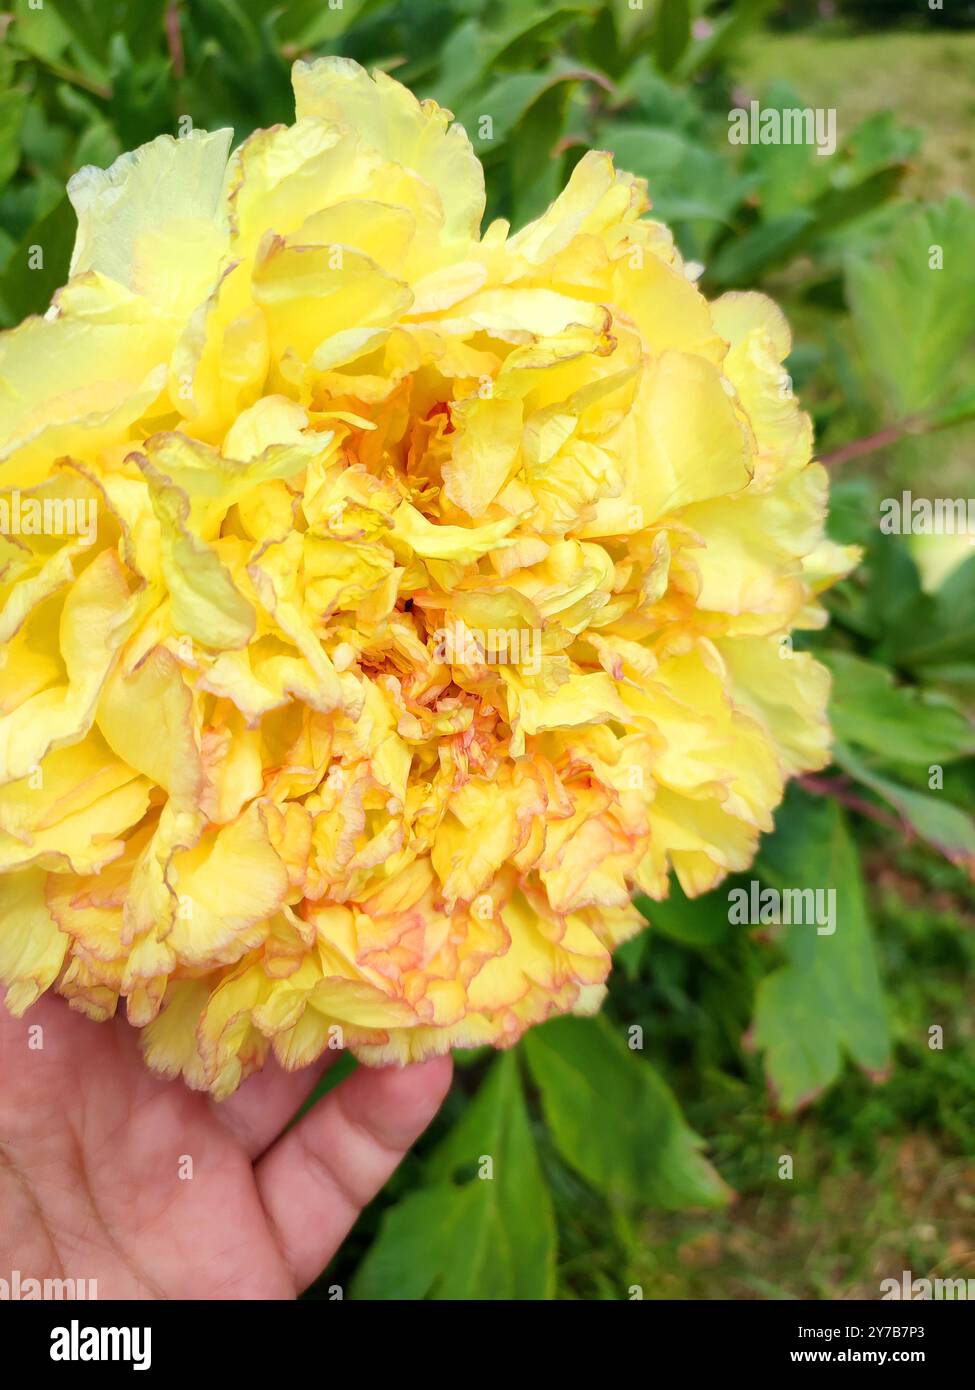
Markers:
point(440, 595)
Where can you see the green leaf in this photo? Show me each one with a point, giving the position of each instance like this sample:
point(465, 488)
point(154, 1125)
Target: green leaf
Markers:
point(634, 27)
point(461, 66)
point(740, 260)
point(54, 34)
point(613, 1118)
point(233, 27)
point(942, 628)
point(25, 291)
point(87, 27)
point(956, 412)
point(12, 106)
point(861, 175)
point(602, 44)
point(895, 591)
point(901, 723)
point(866, 172)
point(482, 1237)
point(826, 1002)
point(696, 922)
point(913, 321)
point(853, 504)
point(98, 145)
point(144, 21)
point(43, 32)
point(643, 95)
point(434, 1244)
point(509, 100)
point(673, 32)
point(527, 24)
point(535, 168)
point(474, 51)
point(942, 824)
point(630, 956)
point(875, 144)
point(309, 23)
point(140, 92)
point(788, 176)
point(839, 205)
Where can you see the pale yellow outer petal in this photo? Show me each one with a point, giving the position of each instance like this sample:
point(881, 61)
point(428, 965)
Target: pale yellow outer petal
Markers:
point(388, 118)
point(155, 221)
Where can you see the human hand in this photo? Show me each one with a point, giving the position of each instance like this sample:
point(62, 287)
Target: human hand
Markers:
point(93, 1146)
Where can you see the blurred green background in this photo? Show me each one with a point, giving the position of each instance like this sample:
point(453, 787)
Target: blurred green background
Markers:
point(655, 1170)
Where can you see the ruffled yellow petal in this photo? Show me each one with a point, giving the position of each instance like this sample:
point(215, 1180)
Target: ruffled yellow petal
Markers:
point(416, 136)
point(31, 946)
point(155, 221)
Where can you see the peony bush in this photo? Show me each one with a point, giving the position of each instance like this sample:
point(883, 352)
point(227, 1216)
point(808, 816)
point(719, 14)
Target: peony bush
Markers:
point(440, 597)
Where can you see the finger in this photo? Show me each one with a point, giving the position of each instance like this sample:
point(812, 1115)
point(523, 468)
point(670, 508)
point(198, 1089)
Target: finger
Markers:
point(315, 1181)
point(258, 1112)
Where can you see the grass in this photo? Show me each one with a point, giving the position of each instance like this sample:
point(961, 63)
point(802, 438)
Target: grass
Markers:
point(924, 77)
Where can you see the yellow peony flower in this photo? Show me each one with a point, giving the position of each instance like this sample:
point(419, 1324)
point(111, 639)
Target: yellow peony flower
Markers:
point(439, 594)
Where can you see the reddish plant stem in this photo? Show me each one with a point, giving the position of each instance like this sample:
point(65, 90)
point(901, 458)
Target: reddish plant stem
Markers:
point(174, 38)
point(859, 448)
point(827, 786)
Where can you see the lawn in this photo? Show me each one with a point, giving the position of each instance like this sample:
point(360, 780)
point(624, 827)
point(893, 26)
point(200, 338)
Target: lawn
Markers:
point(925, 78)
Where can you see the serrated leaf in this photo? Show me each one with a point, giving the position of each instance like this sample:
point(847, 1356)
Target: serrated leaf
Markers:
point(899, 722)
point(613, 1118)
point(913, 320)
point(465, 1236)
point(939, 822)
point(825, 1004)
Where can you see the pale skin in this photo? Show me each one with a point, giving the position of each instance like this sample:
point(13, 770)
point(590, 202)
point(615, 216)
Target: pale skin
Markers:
point(90, 1158)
